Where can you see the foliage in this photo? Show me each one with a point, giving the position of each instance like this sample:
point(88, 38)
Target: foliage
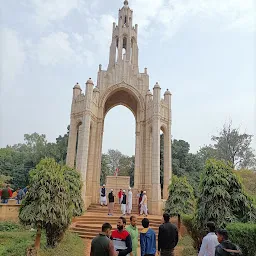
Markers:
point(181, 198)
point(248, 179)
point(15, 243)
point(193, 229)
point(115, 159)
point(50, 201)
point(4, 179)
point(222, 197)
point(244, 235)
point(232, 147)
point(10, 226)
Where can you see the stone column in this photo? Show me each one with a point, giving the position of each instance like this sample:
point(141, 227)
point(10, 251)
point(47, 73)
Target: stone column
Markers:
point(137, 169)
point(156, 188)
point(84, 138)
point(71, 151)
point(167, 148)
point(97, 165)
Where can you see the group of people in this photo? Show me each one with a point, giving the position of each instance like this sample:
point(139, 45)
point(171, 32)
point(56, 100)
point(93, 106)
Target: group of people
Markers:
point(125, 200)
point(216, 243)
point(125, 239)
point(7, 193)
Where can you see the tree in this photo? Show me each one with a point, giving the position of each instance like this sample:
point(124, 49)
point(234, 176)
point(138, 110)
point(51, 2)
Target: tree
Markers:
point(105, 168)
point(50, 203)
point(181, 200)
point(4, 179)
point(232, 147)
point(114, 159)
point(222, 198)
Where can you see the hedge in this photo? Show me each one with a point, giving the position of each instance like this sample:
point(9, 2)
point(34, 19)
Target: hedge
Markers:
point(243, 235)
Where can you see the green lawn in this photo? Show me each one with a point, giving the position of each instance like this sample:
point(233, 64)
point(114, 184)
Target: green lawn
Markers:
point(15, 240)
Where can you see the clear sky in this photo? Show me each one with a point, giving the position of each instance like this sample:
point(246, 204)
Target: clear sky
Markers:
point(202, 50)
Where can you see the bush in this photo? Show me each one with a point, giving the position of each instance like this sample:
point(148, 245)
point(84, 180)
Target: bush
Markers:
point(243, 235)
point(10, 226)
point(196, 234)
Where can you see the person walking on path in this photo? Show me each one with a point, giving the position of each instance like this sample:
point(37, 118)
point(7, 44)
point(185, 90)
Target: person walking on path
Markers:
point(144, 204)
point(20, 195)
point(101, 244)
point(147, 239)
point(103, 197)
point(121, 238)
point(111, 203)
point(167, 237)
point(123, 203)
point(129, 201)
point(120, 193)
point(209, 242)
point(225, 247)
point(134, 233)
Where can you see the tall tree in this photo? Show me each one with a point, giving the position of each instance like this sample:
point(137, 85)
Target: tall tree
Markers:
point(114, 159)
point(233, 147)
point(181, 200)
point(222, 198)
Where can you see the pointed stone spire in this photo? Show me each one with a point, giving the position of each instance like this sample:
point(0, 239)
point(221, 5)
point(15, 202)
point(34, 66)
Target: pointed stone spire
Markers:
point(126, 2)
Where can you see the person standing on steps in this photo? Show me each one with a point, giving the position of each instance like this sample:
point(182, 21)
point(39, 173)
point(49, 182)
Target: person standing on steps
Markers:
point(210, 241)
point(167, 237)
point(129, 202)
point(123, 203)
point(111, 202)
point(120, 196)
point(101, 244)
point(144, 204)
point(147, 239)
point(139, 200)
point(121, 239)
point(103, 197)
point(134, 233)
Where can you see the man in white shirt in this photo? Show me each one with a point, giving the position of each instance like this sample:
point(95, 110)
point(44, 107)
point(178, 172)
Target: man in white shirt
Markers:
point(210, 241)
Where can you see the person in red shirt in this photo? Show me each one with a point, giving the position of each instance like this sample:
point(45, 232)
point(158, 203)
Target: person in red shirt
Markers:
point(120, 193)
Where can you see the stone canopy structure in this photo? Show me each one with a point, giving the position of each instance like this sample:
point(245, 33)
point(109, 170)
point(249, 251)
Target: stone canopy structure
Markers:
point(122, 84)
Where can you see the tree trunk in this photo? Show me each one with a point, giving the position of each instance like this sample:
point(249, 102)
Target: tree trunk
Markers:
point(38, 236)
point(179, 223)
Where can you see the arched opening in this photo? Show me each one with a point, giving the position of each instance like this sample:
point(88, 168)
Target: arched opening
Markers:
point(78, 128)
point(118, 147)
point(162, 161)
point(116, 50)
point(125, 21)
point(124, 47)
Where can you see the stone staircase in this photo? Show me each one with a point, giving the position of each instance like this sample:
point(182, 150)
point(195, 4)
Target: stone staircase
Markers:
point(89, 225)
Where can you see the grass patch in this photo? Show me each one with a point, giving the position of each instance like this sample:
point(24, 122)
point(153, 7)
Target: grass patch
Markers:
point(71, 244)
point(186, 243)
point(15, 239)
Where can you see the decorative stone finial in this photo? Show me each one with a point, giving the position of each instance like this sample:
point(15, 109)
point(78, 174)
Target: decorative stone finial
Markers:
point(149, 93)
point(157, 86)
point(77, 86)
point(167, 92)
point(126, 2)
point(89, 81)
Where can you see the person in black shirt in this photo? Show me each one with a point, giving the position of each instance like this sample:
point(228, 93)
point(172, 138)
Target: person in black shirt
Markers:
point(103, 197)
point(167, 237)
point(111, 202)
point(123, 203)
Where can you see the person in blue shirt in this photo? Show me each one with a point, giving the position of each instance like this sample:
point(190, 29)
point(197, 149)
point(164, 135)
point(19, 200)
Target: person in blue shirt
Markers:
point(147, 239)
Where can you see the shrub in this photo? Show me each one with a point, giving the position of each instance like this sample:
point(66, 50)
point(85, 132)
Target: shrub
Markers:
point(244, 235)
point(10, 226)
point(54, 197)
